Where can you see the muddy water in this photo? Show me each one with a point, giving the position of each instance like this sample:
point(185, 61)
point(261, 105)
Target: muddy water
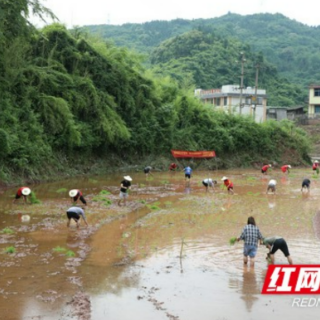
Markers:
point(166, 255)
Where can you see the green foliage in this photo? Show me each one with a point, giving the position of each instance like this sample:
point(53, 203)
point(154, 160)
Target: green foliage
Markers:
point(290, 45)
point(59, 249)
point(10, 249)
point(70, 254)
point(232, 241)
point(7, 231)
point(67, 253)
point(153, 207)
point(71, 95)
point(33, 198)
point(62, 190)
point(104, 192)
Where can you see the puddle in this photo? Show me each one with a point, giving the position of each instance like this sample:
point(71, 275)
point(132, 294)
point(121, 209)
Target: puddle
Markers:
point(166, 255)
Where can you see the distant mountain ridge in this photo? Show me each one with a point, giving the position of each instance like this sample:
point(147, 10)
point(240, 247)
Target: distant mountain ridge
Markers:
point(290, 45)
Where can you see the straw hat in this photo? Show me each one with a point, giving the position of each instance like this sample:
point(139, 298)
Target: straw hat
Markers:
point(26, 191)
point(128, 178)
point(289, 166)
point(316, 161)
point(270, 165)
point(224, 178)
point(73, 193)
point(25, 218)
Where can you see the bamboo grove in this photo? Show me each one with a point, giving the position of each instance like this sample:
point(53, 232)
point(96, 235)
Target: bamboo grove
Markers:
point(65, 95)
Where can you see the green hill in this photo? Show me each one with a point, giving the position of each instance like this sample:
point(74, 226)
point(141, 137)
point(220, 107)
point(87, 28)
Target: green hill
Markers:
point(291, 46)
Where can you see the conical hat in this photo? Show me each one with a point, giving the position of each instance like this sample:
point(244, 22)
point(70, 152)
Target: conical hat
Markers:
point(73, 193)
point(26, 191)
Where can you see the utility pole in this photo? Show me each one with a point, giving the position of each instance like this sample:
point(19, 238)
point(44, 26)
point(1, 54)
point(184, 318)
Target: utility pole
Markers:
point(243, 60)
point(256, 92)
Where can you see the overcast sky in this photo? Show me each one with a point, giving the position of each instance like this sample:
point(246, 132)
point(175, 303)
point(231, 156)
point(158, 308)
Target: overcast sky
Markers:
point(88, 12)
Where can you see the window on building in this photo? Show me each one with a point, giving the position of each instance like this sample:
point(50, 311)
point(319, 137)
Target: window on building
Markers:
point(217, 101)
point(316, 109)
point(248, 100)
point(225, 101)
point(259, 100)
point(317, 92)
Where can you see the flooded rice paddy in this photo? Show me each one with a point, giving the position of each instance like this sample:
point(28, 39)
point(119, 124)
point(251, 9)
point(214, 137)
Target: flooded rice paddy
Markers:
point(166, 255)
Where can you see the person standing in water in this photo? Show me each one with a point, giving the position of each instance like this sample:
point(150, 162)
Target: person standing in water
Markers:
point(187, 173)
point(251, 236)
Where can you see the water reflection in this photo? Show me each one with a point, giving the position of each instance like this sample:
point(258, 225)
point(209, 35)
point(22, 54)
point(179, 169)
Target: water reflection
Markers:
point(140, 246)
point(272, 202)
point(249, 288)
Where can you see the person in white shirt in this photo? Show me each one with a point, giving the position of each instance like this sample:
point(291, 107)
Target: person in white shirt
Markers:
point(75, 213)
point(272, 186)
point(209, 183)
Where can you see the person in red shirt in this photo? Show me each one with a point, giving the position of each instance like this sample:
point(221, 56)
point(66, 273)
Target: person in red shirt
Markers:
point(265, 168)
point(172, 166)
point(286, 168)
point(228, 184)
point(22, 192)
point(76, 194)
point(315, 166)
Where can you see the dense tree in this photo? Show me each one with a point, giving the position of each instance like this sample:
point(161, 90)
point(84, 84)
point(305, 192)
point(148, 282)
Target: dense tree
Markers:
point(67, 96)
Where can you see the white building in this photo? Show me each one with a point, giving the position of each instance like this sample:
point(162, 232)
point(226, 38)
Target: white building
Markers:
point(253, 102)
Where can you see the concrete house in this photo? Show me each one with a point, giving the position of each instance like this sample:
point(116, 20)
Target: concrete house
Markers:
point(314, 100)
point(229, 98)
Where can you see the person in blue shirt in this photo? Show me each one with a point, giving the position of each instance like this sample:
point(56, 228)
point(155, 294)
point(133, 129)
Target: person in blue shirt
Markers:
point(187, 173)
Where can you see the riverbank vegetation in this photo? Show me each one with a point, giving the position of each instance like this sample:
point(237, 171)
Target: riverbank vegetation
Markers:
point(74, 104)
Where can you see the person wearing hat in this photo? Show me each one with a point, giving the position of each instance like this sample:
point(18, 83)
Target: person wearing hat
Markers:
point(228, 184)
point(22, 192)
point(76, 194)
point(265, 168)
point(209, 183)
point(315, 166)
point(272, 186)
point(75, 213)
point(274, 244)
point(286, 168)
point(124, 187)
point(306, 184)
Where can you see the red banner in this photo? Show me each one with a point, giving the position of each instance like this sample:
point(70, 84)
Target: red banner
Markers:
point(193, 154)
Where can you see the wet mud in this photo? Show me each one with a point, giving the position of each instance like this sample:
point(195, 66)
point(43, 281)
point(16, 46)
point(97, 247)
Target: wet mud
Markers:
point(166, 255)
